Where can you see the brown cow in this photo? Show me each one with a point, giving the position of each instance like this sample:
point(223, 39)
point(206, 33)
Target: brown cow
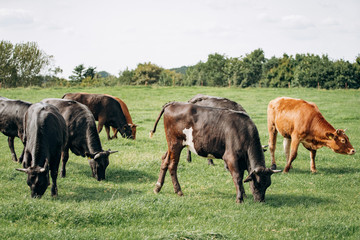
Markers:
point(128, 118)
point(217, 133)
point(106, 110)
point(299, 121)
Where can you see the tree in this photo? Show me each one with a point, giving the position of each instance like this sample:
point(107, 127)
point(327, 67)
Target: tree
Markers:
point(126, 77)
point(21, 64)
point(251, 68)
point(215, 70)
point(6, 67)
point(147, 73)
point(78, 73)
point(90, 72)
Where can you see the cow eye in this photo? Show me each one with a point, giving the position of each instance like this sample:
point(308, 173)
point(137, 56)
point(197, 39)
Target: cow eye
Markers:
point(343, 140)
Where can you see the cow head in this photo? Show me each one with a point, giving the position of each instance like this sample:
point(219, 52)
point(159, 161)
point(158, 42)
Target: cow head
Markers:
point(133, 130)
point(98, 163)
point(339, 142)
point(260, 180)
point(126, 131)
point(38, 179)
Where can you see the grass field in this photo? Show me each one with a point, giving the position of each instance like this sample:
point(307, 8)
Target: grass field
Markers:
point(299, 205)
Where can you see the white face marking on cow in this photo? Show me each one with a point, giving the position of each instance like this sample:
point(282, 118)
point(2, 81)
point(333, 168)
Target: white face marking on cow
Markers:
point(189, 139)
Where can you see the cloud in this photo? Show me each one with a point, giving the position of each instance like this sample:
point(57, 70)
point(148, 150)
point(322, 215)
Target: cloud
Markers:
point(297, 22)
point(15, 17)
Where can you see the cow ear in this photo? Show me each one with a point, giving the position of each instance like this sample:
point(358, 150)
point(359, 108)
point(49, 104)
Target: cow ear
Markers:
point(25, 170)
point(249, 177)
point(330, 135)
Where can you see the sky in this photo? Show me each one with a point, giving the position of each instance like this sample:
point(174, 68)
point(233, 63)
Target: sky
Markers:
point(113, 35)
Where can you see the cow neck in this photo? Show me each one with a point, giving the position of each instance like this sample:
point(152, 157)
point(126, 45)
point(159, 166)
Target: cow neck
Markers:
point(256, 157)
point(93, 141)
point(321, 126)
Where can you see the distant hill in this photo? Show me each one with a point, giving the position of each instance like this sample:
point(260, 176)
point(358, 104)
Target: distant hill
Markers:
point(181, 70)
point(103, 74)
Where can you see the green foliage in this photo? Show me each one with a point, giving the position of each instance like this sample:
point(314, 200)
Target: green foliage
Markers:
point(299, 205)
point(149, 74)
point(24, 65)
point(21, 64)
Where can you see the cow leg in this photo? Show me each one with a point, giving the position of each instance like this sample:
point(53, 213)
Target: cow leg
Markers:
point(312, 161)
point(237, 176)
point(174, 157)
point(53, 173)
point(100, 126)
point(163, 169)
point(272, 143)
point(115, 131)
point(293, 153)
point(65, 158)
point(11, 146)
point(188, 157)
point(210, 162)
point(107, 129)
point(287, 145)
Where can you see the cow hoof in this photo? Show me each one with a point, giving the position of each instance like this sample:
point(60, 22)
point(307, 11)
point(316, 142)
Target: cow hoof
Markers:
point(239, 201)
point(313, 171)
point(180, 193)
point(273, 167)
point(156, 190)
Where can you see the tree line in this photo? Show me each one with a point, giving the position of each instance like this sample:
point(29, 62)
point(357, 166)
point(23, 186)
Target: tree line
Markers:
point(25, 65)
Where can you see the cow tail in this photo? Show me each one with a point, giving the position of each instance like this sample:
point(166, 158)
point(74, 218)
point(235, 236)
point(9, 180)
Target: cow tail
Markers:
point(158, 119)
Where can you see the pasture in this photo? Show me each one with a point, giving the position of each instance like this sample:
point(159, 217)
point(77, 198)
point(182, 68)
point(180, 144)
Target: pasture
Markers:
point(299, 205)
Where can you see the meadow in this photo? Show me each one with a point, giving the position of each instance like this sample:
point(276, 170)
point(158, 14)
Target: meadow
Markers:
point(299, 205)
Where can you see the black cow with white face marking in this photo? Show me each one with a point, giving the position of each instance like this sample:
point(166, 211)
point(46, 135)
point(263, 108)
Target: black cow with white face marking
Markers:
point(83, 139)
point(11, 121)
point(221, 133)
point(45, 136)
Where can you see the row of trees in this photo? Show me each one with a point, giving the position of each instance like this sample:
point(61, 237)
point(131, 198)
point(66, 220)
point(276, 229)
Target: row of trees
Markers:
point(253, 70)
point(303, 70)
point(25, 64)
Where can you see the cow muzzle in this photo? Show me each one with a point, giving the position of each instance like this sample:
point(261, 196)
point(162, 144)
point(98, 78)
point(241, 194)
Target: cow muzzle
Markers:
point(351, 151)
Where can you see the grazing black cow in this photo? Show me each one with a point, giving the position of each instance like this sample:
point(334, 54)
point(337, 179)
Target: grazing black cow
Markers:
point(83, 139)
point(45, 136)
point(217, 102)
point(11, 121)
point(106, 110)
point(220, 133)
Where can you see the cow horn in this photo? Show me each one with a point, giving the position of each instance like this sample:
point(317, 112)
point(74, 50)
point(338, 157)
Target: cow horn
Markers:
point(345, 129)
point(25, 170)
point(275, 171)
point(249, 177)
point(45, 166)
point(110, 152)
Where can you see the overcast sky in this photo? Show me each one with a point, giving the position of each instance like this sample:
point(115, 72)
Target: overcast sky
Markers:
point(113, 35)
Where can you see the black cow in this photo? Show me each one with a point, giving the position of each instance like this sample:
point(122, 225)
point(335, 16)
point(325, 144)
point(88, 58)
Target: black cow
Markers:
point(217, 102)
point(220, 133)
point(45, 136)
point(83, 139)
point(106, 110)
point(11, 121)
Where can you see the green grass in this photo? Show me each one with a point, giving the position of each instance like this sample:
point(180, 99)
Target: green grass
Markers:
point(299, 205)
